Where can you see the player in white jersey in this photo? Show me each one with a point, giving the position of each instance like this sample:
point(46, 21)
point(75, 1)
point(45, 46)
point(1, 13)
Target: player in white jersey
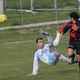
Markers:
point(47, 53)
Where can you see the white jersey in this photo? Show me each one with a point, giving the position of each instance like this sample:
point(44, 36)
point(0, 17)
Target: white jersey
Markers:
point(46, 56)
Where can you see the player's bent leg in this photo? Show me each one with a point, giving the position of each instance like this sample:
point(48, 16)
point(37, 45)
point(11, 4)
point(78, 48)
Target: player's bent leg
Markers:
point(71, 55)
point(78, 58)
point(70, 52)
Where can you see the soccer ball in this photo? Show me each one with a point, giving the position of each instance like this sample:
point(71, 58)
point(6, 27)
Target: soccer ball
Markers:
point(3, 18)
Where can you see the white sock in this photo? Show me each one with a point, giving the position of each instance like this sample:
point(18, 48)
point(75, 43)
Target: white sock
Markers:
point(50, 39)
point(64, 59)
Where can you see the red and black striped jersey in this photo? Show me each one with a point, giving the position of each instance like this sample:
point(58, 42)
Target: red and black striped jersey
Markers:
point(74, 30)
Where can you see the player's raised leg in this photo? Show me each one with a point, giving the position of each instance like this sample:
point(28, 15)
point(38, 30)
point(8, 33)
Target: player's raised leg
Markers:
point(51, 40)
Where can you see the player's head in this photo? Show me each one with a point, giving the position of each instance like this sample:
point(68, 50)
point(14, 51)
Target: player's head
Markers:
point(40, 43)
point(74, 15)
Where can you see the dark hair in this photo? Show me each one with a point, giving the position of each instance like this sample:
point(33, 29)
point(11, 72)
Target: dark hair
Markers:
point(40, 38)
point(74, 15)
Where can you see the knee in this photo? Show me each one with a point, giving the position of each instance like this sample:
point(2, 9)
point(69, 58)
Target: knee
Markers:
point(70, 52)
point(78, 58)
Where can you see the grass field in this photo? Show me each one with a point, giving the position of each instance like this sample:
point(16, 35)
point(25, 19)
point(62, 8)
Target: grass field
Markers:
point(15, 17)
point(17, 49)
point(38, 3)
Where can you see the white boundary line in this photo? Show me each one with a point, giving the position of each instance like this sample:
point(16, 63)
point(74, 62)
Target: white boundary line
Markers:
point(15, 42)
point(33, 25)
point(18, 42)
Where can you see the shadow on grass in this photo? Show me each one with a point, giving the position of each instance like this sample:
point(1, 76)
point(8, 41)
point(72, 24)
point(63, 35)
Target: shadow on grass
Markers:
point(69, 72)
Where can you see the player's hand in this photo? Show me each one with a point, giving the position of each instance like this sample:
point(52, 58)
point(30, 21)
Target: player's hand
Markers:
point(58, 33)
point(31, 75)
point(56, 41)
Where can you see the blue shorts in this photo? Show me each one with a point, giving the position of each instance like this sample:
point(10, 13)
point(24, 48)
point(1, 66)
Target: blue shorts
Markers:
point(52, 60)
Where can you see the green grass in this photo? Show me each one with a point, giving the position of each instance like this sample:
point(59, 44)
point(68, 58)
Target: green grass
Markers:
point(16, 59)
point(38, 3)
point(17, 47)
point(15, 18)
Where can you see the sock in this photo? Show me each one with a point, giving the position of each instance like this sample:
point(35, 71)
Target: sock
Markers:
point(50, 39)
point(64, 59)
point(72, 57)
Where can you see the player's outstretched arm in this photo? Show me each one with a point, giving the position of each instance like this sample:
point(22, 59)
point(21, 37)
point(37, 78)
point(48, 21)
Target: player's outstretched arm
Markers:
point(35, 65)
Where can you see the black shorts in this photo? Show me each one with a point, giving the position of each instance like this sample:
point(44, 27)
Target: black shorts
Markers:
point(75, 45)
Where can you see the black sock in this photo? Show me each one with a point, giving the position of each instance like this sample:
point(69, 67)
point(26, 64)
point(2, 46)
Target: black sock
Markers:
point(72, 57)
